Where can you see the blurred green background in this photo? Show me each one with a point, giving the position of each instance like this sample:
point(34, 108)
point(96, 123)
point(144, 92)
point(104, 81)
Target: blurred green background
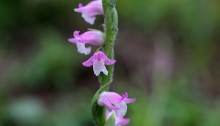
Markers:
point(167, 55)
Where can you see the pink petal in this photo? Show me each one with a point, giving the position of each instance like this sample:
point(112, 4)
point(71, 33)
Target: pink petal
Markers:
point(81, 48)
point(120, 121)
point(122, 109)
point(112, 97)
point(90, 11)
point(89, 19)
point(72, 40)
point(99, 66)
point(109, 62)
point(109, 105)
point(89, 62)
point(76, 33)
point(79, 9)
point(129, 100)
point(125, 95)
point(94, 37)
point(106, 60)
point(80, 5)
point(76, 37)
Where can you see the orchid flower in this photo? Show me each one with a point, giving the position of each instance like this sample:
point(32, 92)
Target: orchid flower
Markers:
point(98, 61)
point(90, 11)
point(115, 102)
point(93, 37)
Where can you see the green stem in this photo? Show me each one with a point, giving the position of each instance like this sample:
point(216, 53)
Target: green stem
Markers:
point(111, 29)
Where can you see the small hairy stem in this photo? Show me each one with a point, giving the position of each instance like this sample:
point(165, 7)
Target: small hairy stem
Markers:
point(111, 29)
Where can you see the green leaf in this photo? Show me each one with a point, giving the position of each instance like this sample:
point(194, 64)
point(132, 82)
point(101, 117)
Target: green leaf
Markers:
point(98, 112)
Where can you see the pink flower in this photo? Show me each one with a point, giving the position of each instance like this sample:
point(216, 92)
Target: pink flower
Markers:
point(90, 10)
point(98, 61)
point(93, 37)
point(119, 121)
point(115, 102)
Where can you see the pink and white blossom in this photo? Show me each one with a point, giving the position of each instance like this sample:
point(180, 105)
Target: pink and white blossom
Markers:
point(93, 37)
point(115, 102)
point(98, 61)
point(90, 11)
point(119, 121)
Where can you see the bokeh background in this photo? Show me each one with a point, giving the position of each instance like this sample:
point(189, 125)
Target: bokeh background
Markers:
point(167, 54)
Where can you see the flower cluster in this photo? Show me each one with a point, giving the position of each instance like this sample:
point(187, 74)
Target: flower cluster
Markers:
point(91, 37)
point(98, 61)
point(116, 104)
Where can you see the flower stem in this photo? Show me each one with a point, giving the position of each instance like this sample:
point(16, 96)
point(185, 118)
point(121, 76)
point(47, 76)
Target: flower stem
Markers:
point(111, 29)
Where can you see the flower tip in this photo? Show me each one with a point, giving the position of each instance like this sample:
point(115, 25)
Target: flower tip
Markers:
point(134, 99)
point(122, 121)
point(86, 64)
point(80, 5)
point(130, 100)
point(71, 40)
point(76, 32)
point(110, 62)
point(125, 95)
point(76, 10)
